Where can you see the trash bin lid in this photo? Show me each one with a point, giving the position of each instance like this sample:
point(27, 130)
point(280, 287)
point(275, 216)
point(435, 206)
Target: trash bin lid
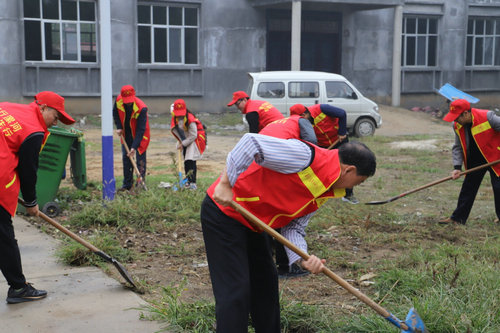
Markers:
point(65, 132)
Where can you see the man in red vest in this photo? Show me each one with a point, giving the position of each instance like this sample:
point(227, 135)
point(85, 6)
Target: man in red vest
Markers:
point(277, 180)
point(477, 142)
point(131, 119)
point(330, 126)
point(24, 130)
point(293, 127)
point(257, 113)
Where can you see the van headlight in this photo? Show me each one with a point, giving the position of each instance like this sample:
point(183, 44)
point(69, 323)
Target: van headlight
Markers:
point(375, 108)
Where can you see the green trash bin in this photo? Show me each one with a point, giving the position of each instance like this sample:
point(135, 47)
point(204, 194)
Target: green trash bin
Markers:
point(78, 163)
point(51, 167)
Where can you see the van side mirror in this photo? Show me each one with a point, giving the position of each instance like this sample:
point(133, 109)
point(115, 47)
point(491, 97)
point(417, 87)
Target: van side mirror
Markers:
point(354, 95)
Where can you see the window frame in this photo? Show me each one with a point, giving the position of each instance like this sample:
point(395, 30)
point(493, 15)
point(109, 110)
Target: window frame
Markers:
point(168, 27)
point(473, 37)
point(61, 23)
point(405, 35)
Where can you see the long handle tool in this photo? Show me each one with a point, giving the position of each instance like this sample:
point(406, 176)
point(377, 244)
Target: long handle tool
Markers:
point(413, 322)
point(439, 181)
point(91, 247)
point(333, 144)
point(182, 180)
point(139, 177)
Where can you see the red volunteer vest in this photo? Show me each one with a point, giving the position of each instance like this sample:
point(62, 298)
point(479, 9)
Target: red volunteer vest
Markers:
point(136, 111)
point(326, 128)
point(17, 122)
point(487, 139)
point(286, 128)
point(201, 139)
point(267, 112)
point(275, 207)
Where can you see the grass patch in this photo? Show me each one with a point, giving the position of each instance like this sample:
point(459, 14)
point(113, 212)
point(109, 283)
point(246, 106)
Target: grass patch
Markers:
point(448, 273)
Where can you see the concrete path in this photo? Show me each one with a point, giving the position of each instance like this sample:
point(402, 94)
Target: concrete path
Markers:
point(80, 300)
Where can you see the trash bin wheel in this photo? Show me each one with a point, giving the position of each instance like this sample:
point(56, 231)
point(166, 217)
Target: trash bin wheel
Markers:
point(51, 209)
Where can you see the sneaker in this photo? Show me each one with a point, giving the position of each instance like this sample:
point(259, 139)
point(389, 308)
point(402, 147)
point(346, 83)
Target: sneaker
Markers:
point(294, 271)
point(496, 220)
point(26, 294)
point(193, 186)
point(351, 199)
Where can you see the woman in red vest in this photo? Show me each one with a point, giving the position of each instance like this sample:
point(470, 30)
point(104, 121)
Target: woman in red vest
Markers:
point(257, 113)
point(24, 130)
point(191, 138)
point(278, 181)
point(477, 142)
point(131, 119)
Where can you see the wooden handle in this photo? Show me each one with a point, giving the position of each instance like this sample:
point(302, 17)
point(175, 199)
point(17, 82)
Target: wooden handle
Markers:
point(64, 230)
point(333, 144)
point(256, 222)
point(439, 181)
point(124, 143)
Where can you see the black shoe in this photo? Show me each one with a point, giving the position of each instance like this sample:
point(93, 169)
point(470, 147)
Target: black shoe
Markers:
point(294, 271)
point(26, 294)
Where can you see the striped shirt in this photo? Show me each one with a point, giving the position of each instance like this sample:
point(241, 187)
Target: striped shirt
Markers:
point(284, 156)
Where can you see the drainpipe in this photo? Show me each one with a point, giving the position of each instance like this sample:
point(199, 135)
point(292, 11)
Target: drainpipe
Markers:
point(296, 30)
point(396, 56)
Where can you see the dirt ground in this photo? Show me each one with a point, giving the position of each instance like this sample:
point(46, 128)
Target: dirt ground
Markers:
point(396, 121)
point(161, 268)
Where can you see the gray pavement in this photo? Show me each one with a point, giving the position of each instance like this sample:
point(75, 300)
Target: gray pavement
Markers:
point(79, 300)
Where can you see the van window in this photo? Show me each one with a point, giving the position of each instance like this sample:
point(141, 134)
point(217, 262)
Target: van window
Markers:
point(303, 89)
point(271, 90)
point(336, 89)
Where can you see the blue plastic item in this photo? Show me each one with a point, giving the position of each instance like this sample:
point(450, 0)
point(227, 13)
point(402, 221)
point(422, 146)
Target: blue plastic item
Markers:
point(452, 93)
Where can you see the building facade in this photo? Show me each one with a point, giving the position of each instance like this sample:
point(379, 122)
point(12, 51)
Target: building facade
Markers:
point(394, 51)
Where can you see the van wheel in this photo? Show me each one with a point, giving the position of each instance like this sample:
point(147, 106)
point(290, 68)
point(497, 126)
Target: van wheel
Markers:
point(364, 127)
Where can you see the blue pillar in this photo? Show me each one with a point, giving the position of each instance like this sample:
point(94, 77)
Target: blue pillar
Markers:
point(108, 178)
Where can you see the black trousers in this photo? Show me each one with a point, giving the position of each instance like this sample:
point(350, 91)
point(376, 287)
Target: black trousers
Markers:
point(10, 257)
point(128, 169)
point(244, 277)
point(190, 170)
point(468, 193)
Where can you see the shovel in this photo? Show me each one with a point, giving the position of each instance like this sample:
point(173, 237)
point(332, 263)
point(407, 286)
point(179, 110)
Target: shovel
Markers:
point(91, 247)
point(139, 177)
point(439, 181)
point(182, 180)
point(413, 322)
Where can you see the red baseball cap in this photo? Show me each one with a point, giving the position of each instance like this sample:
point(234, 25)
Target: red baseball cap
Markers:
point(128, 94)
point(456, 108)
point(55, 101)
point(179, 109)
point(237, 95)
point(297, 109)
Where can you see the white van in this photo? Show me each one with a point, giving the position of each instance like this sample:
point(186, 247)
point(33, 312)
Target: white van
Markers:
point(286, 88)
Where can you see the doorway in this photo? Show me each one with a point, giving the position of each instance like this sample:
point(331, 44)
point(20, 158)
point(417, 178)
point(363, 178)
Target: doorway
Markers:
point(320, 41)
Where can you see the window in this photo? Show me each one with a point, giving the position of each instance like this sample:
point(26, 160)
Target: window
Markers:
point(335, 89)
point(271, 90)
point(419, 44)
point(483, 42)
point(303, 89)
point(167, 34)
point(60, 30)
